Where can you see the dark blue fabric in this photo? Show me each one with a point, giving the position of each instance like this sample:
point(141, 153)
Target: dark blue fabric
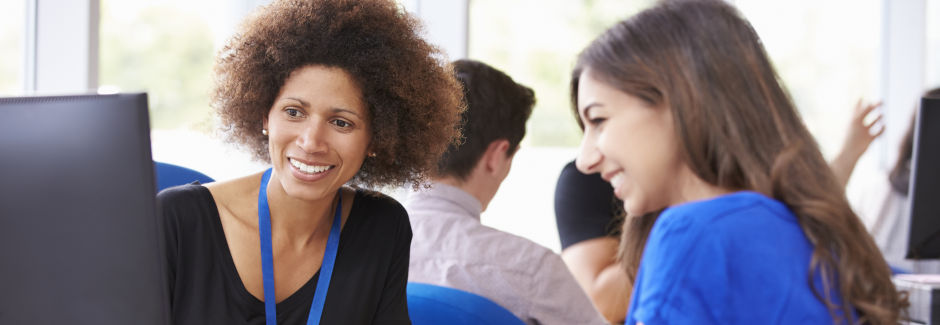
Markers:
point(431, 305)
point(585, 207)
point(740, 258)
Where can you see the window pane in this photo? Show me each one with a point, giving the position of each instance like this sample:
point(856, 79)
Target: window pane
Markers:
point(167, 49)
point(538, 49)
point(827, 54)
point(163, 49)
point(12, 24)
point(933, 44)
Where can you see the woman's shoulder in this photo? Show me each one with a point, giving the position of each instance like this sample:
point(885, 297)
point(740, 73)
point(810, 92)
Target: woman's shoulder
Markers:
point(241, 187)
point(184, 207)
point(731, 218)
point(237, 196)
point(379, 212)
point(374, 201)
point(183, 196)
point(743, 204)
point(209, 199)
point(747, 226)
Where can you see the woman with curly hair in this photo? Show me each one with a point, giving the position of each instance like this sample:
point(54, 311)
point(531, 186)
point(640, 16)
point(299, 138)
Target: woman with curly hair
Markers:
point(329, 92)
point(683, 111)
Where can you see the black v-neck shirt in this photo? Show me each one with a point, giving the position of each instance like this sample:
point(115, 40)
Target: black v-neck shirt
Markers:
point(367, 287)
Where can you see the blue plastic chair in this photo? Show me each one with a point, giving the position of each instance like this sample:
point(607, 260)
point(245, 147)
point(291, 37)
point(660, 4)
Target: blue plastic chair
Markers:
point(897, 270)
point(169, 175)
point(430, 304)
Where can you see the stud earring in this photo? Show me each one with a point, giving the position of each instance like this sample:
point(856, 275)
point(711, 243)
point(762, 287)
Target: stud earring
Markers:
point(371, 155)
point(264, 131)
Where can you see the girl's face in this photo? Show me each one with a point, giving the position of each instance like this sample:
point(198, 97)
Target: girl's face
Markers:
point(318, 132)
point(632, 144)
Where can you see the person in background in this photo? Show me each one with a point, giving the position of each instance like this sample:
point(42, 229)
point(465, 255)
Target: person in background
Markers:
point(330, 93)
point(589, 219)
point(598, 251)
point(863, 129)
point(684, 112)
point(452, 248)
point(883, 203)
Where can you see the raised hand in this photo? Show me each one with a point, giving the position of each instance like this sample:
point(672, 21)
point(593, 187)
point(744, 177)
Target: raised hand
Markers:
point(863, 129)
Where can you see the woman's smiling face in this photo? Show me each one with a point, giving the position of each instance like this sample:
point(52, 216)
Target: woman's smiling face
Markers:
point(631, 143)
point(318, 132)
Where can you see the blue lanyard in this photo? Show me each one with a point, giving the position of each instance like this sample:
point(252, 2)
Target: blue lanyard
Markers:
point(267, 257)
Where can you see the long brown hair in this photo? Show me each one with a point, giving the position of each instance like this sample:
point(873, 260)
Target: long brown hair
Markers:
point(739, 130)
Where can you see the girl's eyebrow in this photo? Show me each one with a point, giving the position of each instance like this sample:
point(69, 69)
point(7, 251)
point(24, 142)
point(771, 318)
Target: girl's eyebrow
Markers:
point(589, 106)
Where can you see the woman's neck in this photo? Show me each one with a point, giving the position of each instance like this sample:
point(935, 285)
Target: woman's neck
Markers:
point(693, 188)
point(297, 222)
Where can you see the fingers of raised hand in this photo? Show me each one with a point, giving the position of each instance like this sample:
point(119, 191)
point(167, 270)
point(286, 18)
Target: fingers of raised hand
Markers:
point(874, 126)
point(862, 109)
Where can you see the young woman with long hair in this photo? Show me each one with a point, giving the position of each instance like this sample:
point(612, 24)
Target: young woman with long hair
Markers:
point(684, 111)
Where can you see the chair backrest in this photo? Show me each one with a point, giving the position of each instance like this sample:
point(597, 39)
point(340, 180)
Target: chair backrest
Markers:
point(431, 304)
point(169, 175)
point(898, 270)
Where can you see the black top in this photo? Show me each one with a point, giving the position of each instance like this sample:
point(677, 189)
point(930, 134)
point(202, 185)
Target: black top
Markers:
point(585, 207)
point(369, 277)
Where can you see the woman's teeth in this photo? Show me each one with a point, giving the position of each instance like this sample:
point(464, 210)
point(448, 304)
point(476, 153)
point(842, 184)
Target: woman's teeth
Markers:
point(616, 180)
point(309, 169)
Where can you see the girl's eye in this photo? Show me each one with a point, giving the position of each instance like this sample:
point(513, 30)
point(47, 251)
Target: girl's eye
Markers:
point(596, 121)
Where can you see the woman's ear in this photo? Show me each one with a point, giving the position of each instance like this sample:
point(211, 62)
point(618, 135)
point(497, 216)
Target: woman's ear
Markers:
point(370, 151)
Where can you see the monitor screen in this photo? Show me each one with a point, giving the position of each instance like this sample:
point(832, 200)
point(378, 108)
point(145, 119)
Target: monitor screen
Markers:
point(79, 239)
point(925, 183)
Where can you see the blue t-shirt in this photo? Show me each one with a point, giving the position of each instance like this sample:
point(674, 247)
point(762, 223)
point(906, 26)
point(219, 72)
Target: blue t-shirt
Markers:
point(740, 258)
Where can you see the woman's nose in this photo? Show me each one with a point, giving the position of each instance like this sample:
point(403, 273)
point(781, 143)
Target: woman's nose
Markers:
point(312, 138)
point(588, 157)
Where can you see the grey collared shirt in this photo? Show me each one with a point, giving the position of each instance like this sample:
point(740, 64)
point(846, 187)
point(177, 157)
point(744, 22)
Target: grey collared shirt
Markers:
point(452, 248)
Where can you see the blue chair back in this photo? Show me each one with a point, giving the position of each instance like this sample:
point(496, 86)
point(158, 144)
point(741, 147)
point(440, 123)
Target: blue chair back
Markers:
point(897, 270)
point(169, 175)
point(431, 304)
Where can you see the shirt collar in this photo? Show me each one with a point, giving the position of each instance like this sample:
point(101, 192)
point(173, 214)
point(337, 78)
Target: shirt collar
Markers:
point(469, 204)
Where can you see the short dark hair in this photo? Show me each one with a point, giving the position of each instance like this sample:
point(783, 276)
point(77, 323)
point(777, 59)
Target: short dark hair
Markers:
point(497, 108)
point(412, 96)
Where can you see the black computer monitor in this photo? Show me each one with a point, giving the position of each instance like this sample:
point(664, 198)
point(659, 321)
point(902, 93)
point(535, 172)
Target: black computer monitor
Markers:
point(924, 242)
point(79, 239)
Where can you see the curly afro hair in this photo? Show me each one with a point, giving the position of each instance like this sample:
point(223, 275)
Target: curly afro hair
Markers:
point(413, 99)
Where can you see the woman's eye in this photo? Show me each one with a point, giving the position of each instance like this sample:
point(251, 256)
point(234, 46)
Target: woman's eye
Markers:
point(596, 121)
point(293, 112)
point(341, 123)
